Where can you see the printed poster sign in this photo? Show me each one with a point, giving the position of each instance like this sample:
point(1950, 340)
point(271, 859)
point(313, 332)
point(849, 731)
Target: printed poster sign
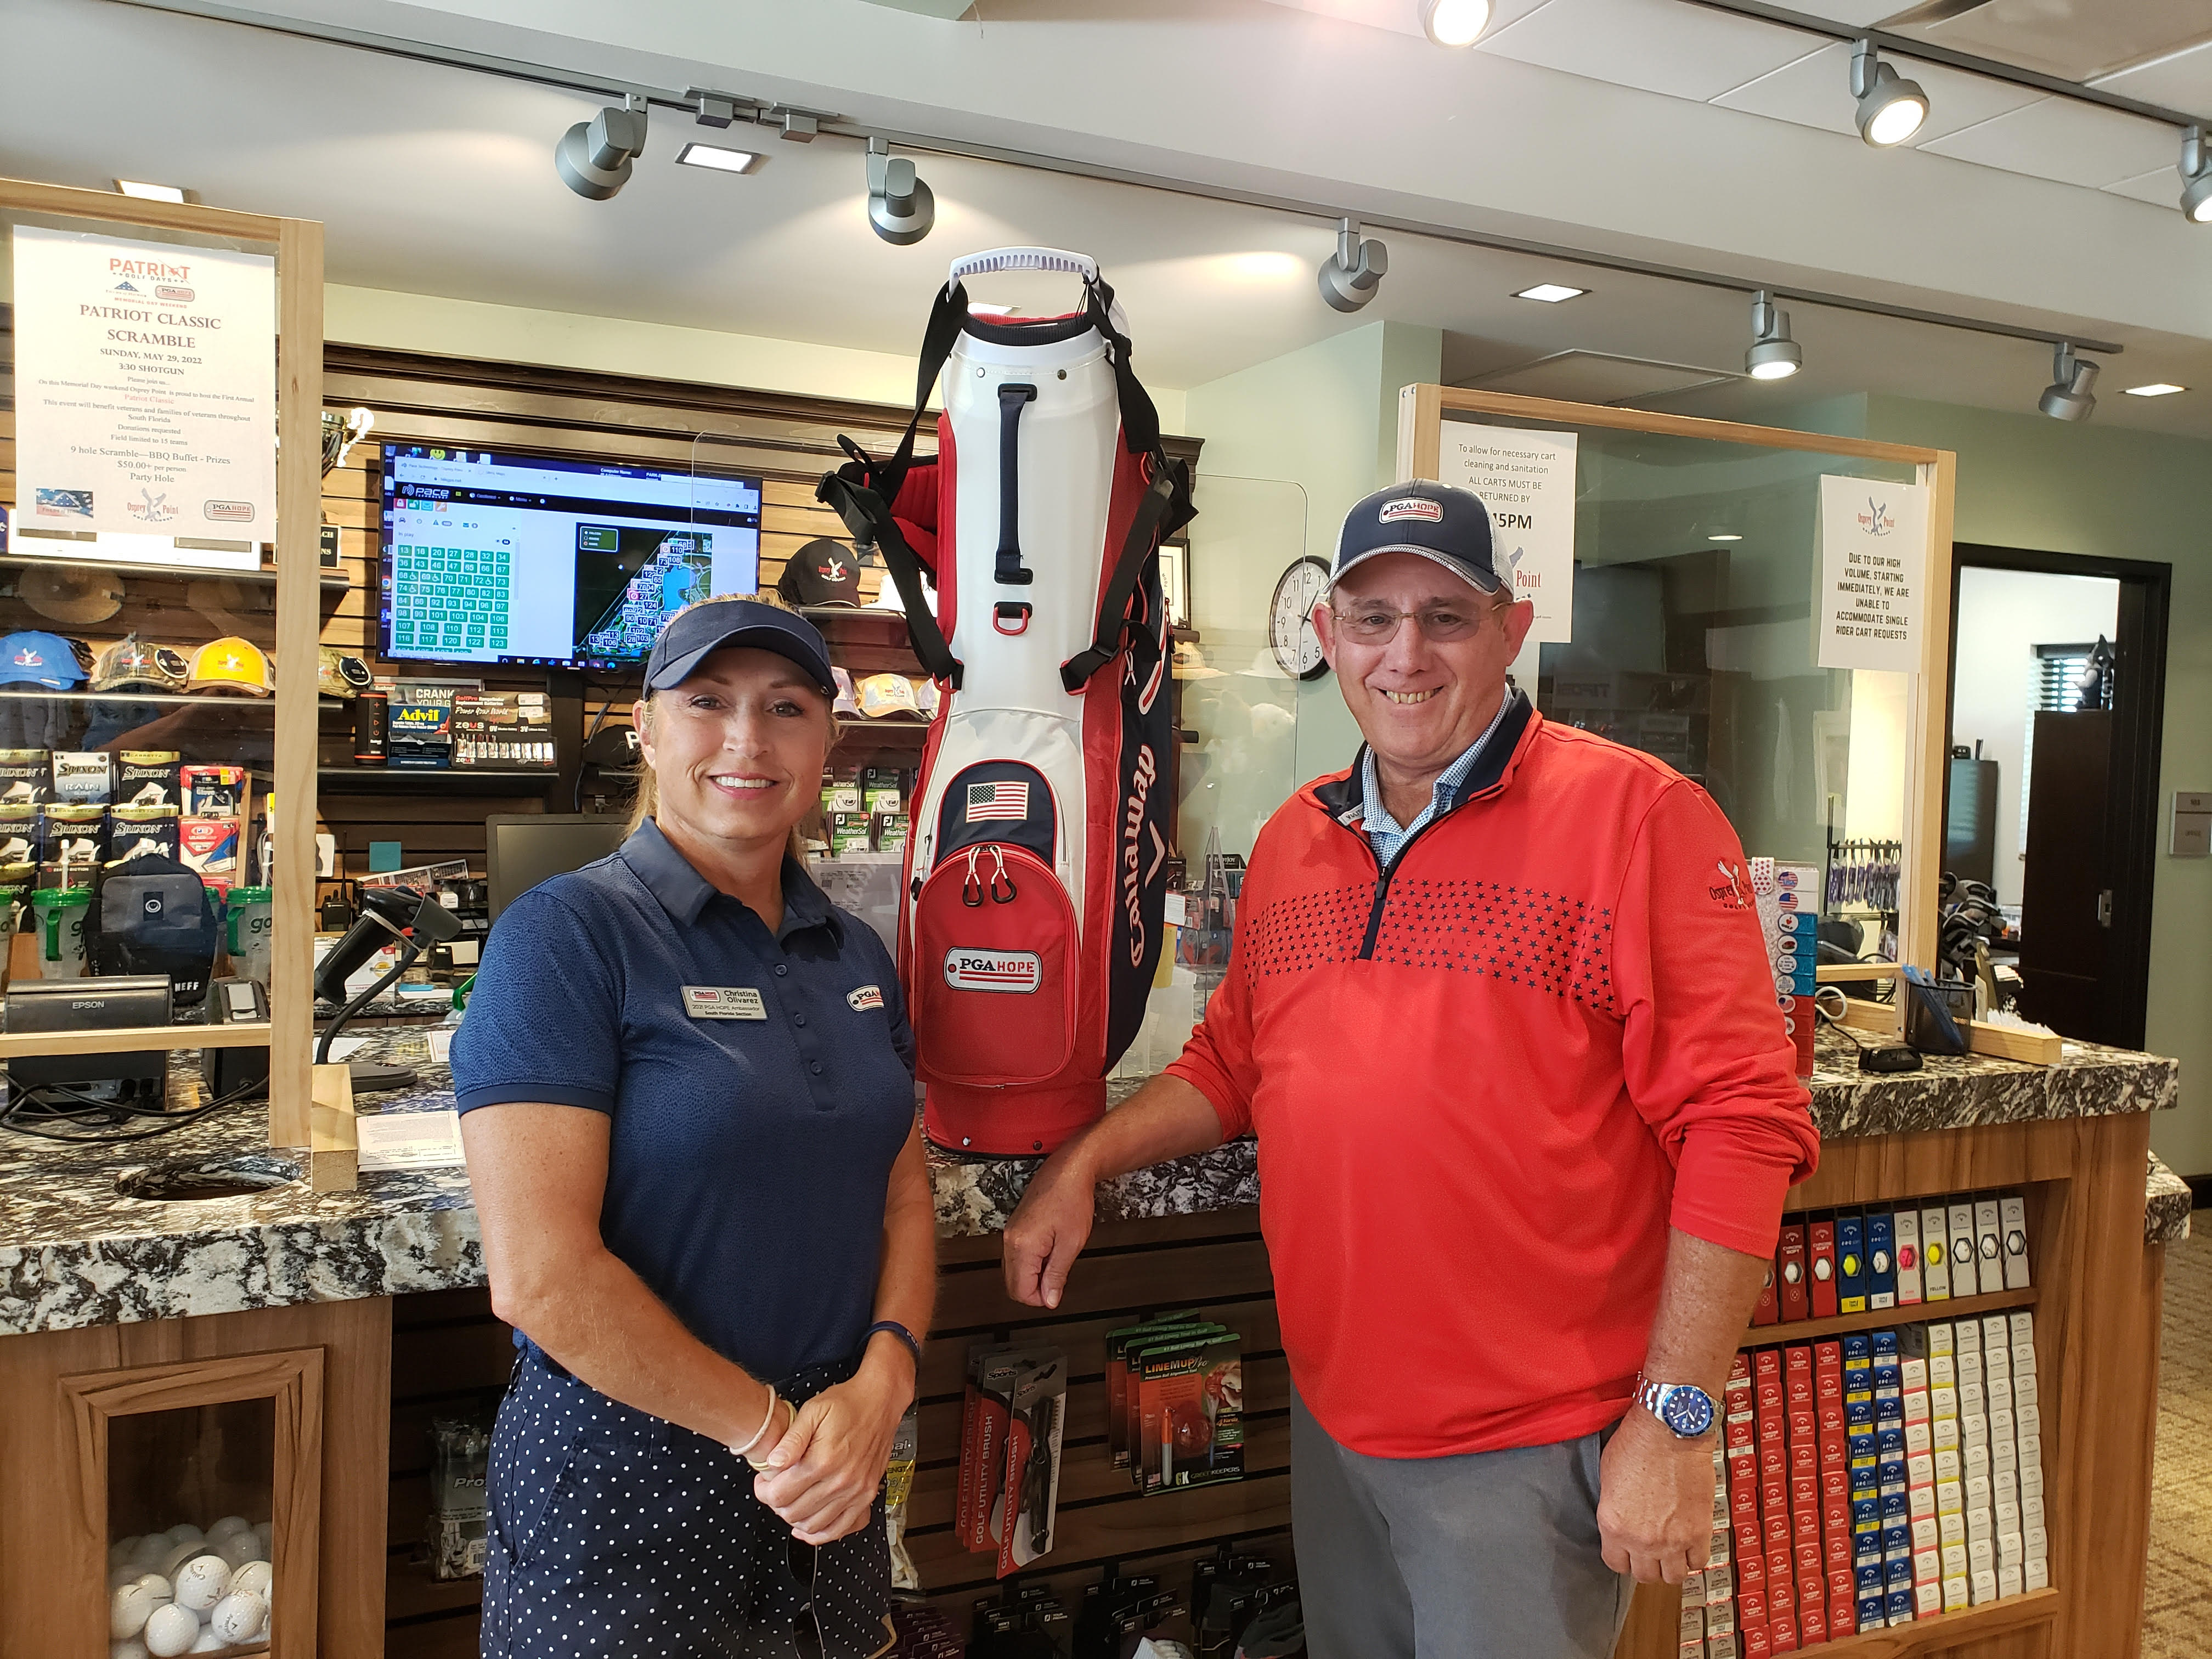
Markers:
point(1874, 560)
point(145, 387)
point(1527, 480)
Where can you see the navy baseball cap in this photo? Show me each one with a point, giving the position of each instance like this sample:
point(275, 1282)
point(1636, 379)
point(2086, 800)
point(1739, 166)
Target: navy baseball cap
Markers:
point(1438, 521)
point(698, 633)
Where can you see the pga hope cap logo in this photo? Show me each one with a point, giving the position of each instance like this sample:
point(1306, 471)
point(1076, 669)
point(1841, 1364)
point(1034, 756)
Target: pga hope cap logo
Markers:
point(1410, 507)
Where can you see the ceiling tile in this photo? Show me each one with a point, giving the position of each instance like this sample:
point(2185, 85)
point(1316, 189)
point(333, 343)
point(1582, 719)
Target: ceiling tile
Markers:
point(2181, 80)
point(1686, 52)
point(1816, 91)
point(2073, 39)
point(2161, 189)
point(2074, 143)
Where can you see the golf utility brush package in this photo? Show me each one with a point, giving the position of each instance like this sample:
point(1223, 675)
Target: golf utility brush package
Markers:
point(1036, 858)
point(1010, 1441)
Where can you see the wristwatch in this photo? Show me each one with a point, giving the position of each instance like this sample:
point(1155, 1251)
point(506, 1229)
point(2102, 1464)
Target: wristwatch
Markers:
point(1684, 1409)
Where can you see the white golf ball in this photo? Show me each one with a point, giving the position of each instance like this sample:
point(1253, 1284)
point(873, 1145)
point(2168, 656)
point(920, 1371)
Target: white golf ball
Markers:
point(151, 1550)
point(120, 1549)
point(171, 1630)
point(227, 1525)
point(155, 1586)
point(172, 1563)
point(186, 1533)
point(125, 1574)
point(238, 1616)
point(129, 1608)
point(256, 1576)
point(237, 1548)
point(266, 1533)
point(201, 1582)
point(130, 1650)
point(209, 1643)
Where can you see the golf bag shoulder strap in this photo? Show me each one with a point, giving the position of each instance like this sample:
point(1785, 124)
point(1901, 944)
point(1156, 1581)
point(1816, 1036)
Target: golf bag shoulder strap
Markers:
point(851, 491)
point(1162, 509)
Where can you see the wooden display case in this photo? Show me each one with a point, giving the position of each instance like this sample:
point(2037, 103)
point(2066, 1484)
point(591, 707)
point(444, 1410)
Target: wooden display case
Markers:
point(278, 610)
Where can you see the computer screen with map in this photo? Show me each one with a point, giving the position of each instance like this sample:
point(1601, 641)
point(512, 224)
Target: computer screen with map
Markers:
point(495, 558)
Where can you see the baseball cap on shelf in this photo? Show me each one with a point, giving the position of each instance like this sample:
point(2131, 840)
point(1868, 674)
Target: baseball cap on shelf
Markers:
point(70, 594)
point(823, 572)
point(699, 631)
point(887, 694)
point(231, 664)
point(39, 658)
point(1438, 521)
point(131, 665)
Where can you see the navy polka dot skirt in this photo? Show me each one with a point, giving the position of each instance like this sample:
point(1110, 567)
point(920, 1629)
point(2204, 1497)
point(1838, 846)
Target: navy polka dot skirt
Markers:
point(615, 1533)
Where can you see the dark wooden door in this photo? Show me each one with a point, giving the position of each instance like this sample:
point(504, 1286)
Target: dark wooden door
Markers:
point(2066, 896)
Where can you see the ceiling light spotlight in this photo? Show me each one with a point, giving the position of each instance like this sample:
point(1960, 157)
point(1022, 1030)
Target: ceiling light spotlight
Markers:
point(1551, 293)
point(2068, 398)
point(593, 157)
point(1454, 23)
point(1350, 276)
point(1890, 107)
point(150, 192)
point(1773, 354)
point(900, 209)
point(2155, 389)
point(2196, 177)
point(715, 156)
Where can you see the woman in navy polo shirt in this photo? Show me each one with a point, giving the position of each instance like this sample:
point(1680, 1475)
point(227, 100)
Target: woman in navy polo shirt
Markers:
point(688, 1113)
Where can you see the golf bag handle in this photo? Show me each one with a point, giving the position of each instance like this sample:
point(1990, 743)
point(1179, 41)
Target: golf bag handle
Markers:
point(1023, 258)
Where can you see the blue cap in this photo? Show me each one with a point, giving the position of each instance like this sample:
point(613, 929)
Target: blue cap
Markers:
point(698, 633)
point(39, 658)
point(1438, 521)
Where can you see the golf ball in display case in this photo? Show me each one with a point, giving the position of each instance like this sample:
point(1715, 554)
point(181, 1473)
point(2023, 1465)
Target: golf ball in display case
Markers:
point(187, 1591)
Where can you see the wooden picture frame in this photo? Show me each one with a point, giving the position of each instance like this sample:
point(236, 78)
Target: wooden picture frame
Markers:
point(292, 1381)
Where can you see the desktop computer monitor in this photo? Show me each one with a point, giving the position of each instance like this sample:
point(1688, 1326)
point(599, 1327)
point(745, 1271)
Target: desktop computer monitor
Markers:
point(524, 848)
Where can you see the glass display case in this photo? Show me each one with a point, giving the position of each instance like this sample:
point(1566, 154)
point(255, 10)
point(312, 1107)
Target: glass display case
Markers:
point(159, 604)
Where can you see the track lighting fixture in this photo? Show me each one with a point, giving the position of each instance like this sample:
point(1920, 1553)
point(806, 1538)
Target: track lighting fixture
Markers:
point(900, 209)
point(1454, 23)
point(2069, 397)
point(1890, 107)
point(2196, 177)
point(1773, 354)
point(593, 157)
point(1350, 276)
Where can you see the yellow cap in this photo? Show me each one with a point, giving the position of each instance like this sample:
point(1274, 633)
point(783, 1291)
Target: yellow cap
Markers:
point(231, 664)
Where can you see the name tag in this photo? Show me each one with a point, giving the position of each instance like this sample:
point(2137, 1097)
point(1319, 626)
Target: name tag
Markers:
point(723, 1002)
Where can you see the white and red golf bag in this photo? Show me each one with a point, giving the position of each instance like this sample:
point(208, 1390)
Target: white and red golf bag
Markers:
point(1035, 870)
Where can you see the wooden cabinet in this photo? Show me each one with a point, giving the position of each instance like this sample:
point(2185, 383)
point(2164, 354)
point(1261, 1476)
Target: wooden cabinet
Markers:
point(119, 1431)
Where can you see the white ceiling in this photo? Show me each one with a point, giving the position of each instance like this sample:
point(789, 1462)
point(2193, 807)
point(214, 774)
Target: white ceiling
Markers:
point(438, 180)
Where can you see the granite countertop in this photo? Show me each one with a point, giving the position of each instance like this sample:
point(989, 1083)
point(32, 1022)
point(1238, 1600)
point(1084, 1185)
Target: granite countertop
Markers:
point(75, 1252)
point(2166, 1203)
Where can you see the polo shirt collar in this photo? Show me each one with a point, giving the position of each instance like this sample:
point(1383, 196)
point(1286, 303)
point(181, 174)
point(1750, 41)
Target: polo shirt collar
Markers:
point(684, 893)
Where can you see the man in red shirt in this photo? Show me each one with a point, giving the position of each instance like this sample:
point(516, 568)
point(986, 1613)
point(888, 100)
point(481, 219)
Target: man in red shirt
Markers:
point(1499, 1015)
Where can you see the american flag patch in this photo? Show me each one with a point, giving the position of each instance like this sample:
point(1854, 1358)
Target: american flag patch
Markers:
point(997, 801)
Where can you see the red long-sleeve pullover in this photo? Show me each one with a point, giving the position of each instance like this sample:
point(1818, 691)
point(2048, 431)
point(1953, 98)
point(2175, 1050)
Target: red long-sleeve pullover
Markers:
point(1487, 1081)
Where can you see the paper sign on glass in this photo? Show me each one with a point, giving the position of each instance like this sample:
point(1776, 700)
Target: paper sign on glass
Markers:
point(145, 387)
point(1873, 560)
point(1527, 481)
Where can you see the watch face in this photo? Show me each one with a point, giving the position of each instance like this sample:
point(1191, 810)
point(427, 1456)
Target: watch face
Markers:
point(1290, 619)
point(1688, 1411)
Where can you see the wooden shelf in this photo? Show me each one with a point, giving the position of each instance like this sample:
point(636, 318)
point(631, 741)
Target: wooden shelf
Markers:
point(890, 727)
point(339, 583)
point(23, 1045)
point(1957, 1307)
point(449, 779)
point(1945, 1630)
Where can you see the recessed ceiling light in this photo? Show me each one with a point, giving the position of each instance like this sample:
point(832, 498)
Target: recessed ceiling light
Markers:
point(1551, 293)
point(1723, 536)
point(1454, 23)
point(2155, 389)
point(150, 192)
point(715, 156)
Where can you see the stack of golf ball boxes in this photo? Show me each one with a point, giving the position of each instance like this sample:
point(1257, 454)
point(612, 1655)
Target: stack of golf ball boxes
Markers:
point(183, 1591)
point(1870, 1480)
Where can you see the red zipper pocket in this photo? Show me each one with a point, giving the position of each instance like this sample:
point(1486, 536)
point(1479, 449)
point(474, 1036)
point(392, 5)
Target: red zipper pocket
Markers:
point(994, 970)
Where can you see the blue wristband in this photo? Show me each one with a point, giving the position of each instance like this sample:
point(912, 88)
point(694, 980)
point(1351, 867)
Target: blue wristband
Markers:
point(913, 1344)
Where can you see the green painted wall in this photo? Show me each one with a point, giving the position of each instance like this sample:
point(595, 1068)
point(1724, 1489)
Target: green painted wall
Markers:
point(2027, 480)
point(1324, 418)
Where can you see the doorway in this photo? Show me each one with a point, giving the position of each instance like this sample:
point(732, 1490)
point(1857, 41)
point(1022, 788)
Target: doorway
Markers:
point(2055, 709)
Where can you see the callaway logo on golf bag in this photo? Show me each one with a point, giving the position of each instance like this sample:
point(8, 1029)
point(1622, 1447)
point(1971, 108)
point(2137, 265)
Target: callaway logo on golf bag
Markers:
point(1036, 870)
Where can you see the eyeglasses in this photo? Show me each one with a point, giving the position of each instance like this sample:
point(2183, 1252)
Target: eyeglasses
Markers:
point(1440, 624)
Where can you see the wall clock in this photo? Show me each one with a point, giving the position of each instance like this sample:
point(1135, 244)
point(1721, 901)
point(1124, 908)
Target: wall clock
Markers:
point(1290, 618)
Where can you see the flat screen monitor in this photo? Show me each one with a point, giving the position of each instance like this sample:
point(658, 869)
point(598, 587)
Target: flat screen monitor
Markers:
point(501, 558)
point(524, 848)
